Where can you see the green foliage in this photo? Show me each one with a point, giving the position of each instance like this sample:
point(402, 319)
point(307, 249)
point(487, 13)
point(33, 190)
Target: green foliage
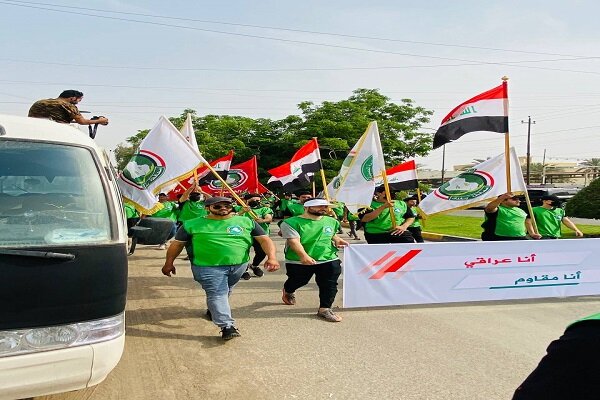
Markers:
point(337, 126)
point(586, 203)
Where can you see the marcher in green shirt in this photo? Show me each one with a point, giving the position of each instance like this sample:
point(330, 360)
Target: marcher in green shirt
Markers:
point(132, 216)
point(170, 210)
point(311, 249)
point(549, 216)
point(191, 205)
point(265, 216)
point(504, 220)
point(415, 227)
point(219, 246)
point(352, 220)
point(294, 208)
point(378, 222)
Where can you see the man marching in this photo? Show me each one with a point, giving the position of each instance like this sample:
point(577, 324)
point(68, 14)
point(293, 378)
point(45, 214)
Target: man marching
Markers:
point(311, 249)
point(219, 245)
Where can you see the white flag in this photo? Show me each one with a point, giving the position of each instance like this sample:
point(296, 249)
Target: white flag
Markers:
point(187, 130)
point(164, 157)
point(481, 183)
point(355, 183)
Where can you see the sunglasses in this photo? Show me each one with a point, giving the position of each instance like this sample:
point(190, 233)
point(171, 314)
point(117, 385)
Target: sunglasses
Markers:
point(219, 206)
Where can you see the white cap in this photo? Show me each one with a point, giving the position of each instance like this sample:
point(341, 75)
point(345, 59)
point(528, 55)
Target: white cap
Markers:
point(316, 203)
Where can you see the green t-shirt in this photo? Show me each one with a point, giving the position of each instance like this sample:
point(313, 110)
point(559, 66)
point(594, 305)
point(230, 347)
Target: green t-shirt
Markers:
point(295, 208)
point(191, 209)
point(261, 212)
point(383, 222)
point(510, 221)
point(130, 211)
point(284, 203)
point(417, 223)
point(548, 221)
point(169, 210)
point(217, 242)
point(315, 236)
point(338, 209)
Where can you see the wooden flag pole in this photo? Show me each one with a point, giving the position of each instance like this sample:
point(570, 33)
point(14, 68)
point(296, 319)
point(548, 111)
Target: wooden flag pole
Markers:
point(322, 172)
point(388, 195)
point(506, 136)
point(230, 190)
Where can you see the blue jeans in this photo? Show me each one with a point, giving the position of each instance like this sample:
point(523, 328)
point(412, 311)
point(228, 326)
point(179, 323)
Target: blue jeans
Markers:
point(218, 282)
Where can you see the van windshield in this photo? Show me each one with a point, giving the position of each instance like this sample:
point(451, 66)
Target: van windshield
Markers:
point(50, 194)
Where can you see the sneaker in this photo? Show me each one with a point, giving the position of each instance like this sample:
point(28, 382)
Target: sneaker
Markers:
point(257, 271)
point(329, 315)
point(246, 276)
point(162, 246)
point(288, 298)
point(229, 333)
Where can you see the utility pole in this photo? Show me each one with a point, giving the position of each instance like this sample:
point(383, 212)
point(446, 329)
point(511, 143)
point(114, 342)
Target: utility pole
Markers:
point(544, 168)
point(443, 162)
point(528, 122)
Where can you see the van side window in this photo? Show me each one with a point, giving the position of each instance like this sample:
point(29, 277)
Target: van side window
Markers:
point(50, 194)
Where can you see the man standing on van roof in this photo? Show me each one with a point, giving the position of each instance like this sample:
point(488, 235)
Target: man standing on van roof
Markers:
point(219, 245)
point(549, 216)
point(63, 109)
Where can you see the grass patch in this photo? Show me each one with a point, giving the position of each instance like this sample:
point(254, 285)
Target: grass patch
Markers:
point(471, 227)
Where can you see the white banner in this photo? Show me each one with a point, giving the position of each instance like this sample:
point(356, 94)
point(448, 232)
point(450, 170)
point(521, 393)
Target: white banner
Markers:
point(425, 273)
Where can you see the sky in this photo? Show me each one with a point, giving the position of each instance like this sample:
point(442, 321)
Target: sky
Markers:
point(136, 60)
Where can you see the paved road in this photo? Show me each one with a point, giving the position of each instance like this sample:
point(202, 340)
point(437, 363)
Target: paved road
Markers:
point(446, 352)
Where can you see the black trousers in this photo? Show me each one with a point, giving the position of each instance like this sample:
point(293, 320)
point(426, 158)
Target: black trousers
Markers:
point(326, 276)
point(379, 238)
point(569, 370)
point(415, 231)
point(259, 253)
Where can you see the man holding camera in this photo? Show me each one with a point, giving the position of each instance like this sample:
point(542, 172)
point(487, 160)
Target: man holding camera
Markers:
point(64, 109)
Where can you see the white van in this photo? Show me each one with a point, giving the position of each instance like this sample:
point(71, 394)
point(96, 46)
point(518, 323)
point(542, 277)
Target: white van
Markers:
point(63, 260)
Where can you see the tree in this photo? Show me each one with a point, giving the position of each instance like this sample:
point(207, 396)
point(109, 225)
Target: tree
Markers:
point(337, 125)
point(592, 167)
point(586, 203)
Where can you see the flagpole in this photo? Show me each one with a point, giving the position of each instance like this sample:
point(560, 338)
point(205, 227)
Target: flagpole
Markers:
point(230, 190)
point(322, 172)
point(388, 195)
point(506, 135)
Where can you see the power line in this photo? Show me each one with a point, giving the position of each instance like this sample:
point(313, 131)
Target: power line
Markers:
point(295, 30)
point(475, 62)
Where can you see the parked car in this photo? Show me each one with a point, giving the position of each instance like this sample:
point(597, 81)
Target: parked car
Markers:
point(536, 194)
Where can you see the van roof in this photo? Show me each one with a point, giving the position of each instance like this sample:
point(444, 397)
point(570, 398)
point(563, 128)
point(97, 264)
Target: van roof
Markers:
point(16, 127)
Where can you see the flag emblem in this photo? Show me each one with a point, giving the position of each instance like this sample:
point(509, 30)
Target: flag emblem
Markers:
point(143, 169)
point(366, 169)
point(235, 178)
point(466, 186)
point(235, 230)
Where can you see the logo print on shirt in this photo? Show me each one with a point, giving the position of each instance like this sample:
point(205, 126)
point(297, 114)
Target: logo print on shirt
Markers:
point(328, 230)
point(235, 230)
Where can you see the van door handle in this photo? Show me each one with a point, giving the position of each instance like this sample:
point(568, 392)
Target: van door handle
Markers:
point(38, 254)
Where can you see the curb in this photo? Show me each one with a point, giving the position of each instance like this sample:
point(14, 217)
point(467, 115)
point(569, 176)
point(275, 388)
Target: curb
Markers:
point(438, 237)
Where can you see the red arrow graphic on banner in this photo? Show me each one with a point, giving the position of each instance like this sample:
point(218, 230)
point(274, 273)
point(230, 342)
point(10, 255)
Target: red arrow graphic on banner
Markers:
point(395, 264)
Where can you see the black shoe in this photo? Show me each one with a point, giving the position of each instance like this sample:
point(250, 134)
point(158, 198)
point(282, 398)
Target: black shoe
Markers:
point(257, 271)
point(229, 333)
point(209, 315)
point(246, 276)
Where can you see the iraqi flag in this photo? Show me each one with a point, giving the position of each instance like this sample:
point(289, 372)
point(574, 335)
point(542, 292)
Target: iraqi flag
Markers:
point(204, 176)
point(241, 177)
point(402, 176)
point(484, 112)
point(294, 174)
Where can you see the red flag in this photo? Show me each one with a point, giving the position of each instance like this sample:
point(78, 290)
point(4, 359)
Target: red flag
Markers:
point(242, 177)
point(220, 165)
